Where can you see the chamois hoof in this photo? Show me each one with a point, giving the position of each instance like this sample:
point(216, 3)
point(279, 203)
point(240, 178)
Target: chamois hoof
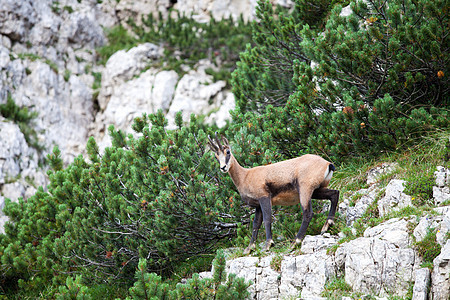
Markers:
point(249, 249)
point(268, 244)
point(296, 243)
point(328, 223)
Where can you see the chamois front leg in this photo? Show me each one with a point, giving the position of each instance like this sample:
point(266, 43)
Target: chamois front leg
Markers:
point(257, 221)
point(305, 202)
point(266, 207)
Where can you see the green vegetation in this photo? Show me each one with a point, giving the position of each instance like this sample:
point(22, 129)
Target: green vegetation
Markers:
point(157, 196)
point(151, 286)
point(118, 39)
point(420, 187)
point(275, 264)
point(378, 82)
point(67, 75)
point(154, 208)
point(23, 118)
point(337, 288)
point(428, 248)
point(96, 86)
point(185, 42)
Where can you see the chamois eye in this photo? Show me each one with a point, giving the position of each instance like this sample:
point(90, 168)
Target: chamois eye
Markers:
point(228, 152)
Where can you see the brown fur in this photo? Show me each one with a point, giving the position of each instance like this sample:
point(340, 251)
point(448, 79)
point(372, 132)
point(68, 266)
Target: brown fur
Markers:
point(287, 182)
point(307, 171)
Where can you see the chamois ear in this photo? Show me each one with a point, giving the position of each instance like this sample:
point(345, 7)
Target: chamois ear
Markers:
point(225, 141)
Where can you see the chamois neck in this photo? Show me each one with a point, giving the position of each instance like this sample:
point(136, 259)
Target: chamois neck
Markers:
point(237, 172)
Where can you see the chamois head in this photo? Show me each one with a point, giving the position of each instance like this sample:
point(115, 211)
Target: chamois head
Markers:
point(222, 152)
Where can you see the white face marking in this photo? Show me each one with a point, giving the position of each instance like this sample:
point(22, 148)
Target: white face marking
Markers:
point(224, 160)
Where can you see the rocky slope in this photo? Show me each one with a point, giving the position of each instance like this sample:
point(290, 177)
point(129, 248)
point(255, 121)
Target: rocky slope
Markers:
point(383, 262)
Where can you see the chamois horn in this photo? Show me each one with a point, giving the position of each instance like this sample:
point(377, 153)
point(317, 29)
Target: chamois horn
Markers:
point(218, 142)
point(212, 145)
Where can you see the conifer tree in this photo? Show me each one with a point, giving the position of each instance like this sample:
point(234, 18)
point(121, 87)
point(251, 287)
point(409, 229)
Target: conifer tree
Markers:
point(187, 41)
point(221, 286)
point(158, 196)
point(379, 79)
point(74, 289)
point(264, 73)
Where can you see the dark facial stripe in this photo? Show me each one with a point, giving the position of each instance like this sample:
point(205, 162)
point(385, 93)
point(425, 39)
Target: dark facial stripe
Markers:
point(227, 158)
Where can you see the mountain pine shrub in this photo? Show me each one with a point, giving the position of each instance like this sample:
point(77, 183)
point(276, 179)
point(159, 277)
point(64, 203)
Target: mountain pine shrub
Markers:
point(185, 41)
point(220, 286)
point(157, 196)
point(367, 83)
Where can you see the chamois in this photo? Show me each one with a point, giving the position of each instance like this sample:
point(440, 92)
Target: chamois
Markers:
point(287, 182)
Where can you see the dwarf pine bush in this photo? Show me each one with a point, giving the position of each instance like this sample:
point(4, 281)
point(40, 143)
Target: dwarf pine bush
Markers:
point(367, 83)
point(158, 196)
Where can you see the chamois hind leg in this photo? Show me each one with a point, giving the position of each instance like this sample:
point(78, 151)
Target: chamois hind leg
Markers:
point(257, 221)
point(305, 202)
point(333, 196)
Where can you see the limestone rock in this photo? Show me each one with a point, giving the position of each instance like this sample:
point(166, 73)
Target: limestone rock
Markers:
point(4, 57)
point(12, 147)
point(307, 273)
point(130, 100)
point(267, 280)
point(18, 162)
point(444, 226)
point(65, 108)
point(442, 176)
point(246, 268)
point(375, 174)
point(376, 266)
point(124, 65)
point(195, 93)
point(440, 223)
point(440, 278)
point(379, 263)
point(203, 275)
point(421, 284)
point(421, 229)
point(16, 18)
point(394, 198)
point(224, 103)
point(441, 192)
point(163, 90)
point(81, 28)
point(441, 195)
point(311, 244)
point(127, 92)
point(45, 32)
point(357, 211)
point(3, 219)
point(136, 10)
point(201, 10)
point(346, 11)
point(394, 231)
